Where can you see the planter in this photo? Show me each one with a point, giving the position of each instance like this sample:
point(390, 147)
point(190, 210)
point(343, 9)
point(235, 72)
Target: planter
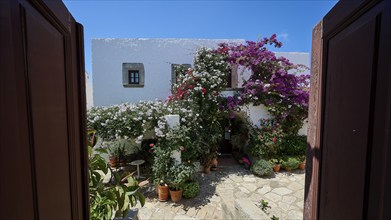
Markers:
point(176, 195)
point(122, 162)
point(302, 166)
point(214, 162)
point(277, 167)
point(207, 169)
point(157, 189)
point(288, 169)
point(163, 192)
point(113, 161)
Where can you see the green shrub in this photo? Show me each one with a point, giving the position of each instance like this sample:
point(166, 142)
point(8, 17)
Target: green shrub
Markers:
point(291, 163)
point(191, 189)
point(294, 145)
point(262, 168)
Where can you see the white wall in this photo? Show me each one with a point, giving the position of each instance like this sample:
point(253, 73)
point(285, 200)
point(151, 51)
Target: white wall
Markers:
point(89, 96)
point(294, 57)
point(157, 55)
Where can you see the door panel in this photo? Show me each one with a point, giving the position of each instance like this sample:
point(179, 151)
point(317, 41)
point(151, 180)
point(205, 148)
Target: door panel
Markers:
point(43, 149)
point(348, 104)
point(350, 125)
point(47, 82)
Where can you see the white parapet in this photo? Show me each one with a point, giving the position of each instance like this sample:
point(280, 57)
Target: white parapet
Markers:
point(172, 120)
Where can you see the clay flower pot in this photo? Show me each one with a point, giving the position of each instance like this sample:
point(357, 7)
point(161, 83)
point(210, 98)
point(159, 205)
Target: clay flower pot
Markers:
point(157, 189)
point(207, 169)
point(113, 161)
point(176, 195)
point(214, 162)
point(277, 167)
point(302, 165)
point(163, 192)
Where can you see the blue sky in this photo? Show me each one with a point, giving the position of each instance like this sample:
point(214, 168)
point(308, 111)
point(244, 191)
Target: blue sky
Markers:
point(292, 21)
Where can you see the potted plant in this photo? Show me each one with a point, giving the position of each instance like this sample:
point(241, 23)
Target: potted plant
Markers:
point(178, 175)
point(121, 155)
point(302, 162)
point(276, 163)
point(290, 164)
point(113, 155)
point(207, 163)
point(163, 190)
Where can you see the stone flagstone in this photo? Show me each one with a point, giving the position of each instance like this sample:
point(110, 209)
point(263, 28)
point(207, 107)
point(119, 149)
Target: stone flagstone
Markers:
point(284, 193)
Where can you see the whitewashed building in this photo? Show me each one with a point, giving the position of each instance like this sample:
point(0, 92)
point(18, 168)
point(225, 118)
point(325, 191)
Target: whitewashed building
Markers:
point(131, 70)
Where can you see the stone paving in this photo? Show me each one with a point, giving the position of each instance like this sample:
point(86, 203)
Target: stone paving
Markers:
point(284, 191)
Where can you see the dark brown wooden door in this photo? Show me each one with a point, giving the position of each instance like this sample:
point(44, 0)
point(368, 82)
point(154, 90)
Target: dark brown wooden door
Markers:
point(353, 161)
point(43, 157)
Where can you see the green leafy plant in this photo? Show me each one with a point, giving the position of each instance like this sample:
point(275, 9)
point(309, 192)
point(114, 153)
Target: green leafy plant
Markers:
point(274, 161)
point(239, 130)
point(109, 199)
point(290, 164)
point(294, 145)
point(262, 168)
point(274, 218)
point(264, 205)
point(161, 164)
point(191, 189)
point(179, 174)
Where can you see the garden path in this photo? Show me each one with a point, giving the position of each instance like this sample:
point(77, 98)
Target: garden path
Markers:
point(284, 192)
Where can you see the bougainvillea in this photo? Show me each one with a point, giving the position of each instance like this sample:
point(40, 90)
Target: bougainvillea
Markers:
point(274, 81)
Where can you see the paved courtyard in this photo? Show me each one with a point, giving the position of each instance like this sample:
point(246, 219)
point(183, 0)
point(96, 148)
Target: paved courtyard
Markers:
point(219, 189)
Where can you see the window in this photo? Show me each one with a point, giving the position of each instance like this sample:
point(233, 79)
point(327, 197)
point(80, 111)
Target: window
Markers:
point(174, 77)
point(133, 75)
point(232, 78)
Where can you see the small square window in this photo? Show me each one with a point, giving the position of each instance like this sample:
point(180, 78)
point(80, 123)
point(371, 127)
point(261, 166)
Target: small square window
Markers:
point(133, 74)
point(134, 77)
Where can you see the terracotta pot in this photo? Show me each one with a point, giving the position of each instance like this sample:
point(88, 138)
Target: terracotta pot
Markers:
point(207, 169)
point(122, 162)
point(302, 166)
point(163, 192)
point(157, 189)
point(214, 162)
point(277, 167)
point(176, 195)
point(288, 169)
point(113, 161)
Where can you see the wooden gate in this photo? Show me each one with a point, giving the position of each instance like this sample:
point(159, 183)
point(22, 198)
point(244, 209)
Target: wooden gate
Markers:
point(42, 91)
point(350, 110)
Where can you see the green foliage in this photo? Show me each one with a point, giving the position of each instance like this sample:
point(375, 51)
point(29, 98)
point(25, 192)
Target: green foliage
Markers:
point(265, 205)
point(116, 149)
point(270, 141)
point(262, 168)
point(266, 140)
point(240, 127)
point(161, 164)
point(291, 163)
point(294, 145)
point(191, 189)
point(110, 199)
point(179, 174)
